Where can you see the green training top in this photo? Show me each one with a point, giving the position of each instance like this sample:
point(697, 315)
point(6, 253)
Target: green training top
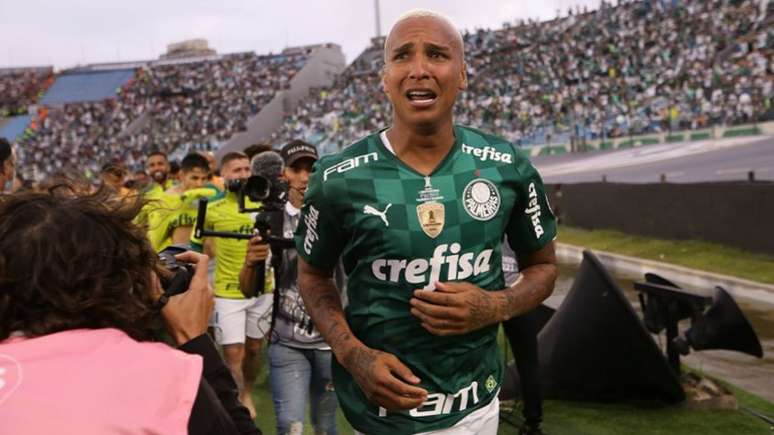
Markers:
point(396, 231)
point(223, 215)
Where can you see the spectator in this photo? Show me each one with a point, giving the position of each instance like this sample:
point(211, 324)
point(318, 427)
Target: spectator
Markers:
point(94, 322)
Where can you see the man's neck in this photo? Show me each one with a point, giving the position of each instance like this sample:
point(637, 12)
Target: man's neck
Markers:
point(421, 149)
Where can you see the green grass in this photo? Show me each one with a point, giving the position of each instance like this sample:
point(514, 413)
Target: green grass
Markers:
point(695, 254)
point(606, 145)
point(675, 138)
point(649, 141)
point(701, 135)
point(578, 418)
point(750, 131)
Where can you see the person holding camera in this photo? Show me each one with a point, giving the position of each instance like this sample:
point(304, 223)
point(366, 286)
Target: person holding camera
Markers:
point(7, 165)
point(240, 323)
point(299, 358)
point(80, 300)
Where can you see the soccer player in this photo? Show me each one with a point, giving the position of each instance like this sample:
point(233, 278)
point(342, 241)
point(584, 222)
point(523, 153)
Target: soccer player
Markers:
point(194, 173)
point(417, 212)
point(239, 323)
point(156, 212)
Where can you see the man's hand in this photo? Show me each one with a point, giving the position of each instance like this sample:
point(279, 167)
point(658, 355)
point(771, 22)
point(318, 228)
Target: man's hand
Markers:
point(385, 380)
point(187, 314)
point(257, 251)
point(455, 308)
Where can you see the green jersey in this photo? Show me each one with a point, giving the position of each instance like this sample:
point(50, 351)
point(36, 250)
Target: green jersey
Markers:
point(223, 215)
point(397, 230)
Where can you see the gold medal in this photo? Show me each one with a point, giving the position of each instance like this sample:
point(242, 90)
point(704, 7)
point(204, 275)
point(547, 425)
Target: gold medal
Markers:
point(431, 218)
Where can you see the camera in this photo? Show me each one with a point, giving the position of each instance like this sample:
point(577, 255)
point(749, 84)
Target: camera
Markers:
point(180, 274)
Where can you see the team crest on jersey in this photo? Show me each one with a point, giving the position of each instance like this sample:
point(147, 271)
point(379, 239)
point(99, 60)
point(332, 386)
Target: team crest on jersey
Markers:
point(431, 218)
point(481, 199)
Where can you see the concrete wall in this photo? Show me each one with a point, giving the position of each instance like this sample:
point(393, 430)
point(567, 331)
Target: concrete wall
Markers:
point(324, 64)
point(731, 214)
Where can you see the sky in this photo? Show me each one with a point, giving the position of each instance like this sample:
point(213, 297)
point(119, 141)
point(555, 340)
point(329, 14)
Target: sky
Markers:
point(66, 33)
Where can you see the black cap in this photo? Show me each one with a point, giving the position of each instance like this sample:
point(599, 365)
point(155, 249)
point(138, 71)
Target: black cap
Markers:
point(297, 149)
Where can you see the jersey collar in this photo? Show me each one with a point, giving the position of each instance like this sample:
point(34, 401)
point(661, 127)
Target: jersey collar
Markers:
point(450, 156)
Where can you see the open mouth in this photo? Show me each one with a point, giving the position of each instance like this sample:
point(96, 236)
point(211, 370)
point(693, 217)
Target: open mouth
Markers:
point(421, 97)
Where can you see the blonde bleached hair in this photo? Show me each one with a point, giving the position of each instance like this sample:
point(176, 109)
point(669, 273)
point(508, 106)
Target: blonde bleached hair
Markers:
point(425, 13)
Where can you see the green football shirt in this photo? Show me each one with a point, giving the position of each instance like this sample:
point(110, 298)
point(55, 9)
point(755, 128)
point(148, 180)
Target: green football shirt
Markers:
point(397, 230)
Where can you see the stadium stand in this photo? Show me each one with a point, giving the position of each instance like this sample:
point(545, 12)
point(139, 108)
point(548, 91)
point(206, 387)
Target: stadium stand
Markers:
point(21, 87)
point(87, 118)
point(635, 68)
point(13, 127)
point(76, 87)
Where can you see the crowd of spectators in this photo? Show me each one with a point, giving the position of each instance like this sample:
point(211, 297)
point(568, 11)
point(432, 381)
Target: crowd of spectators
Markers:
point(162, 107)
point(632, 68)
point(21, 88)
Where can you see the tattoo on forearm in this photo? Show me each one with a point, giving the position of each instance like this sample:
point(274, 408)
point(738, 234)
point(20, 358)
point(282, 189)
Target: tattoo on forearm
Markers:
point(360, 360)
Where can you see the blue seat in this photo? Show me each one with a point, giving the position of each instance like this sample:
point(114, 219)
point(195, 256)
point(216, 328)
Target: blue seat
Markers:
point(79, 87)
point(13, 127)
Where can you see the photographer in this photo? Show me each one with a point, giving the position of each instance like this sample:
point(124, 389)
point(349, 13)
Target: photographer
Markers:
point(299, 358)
point(239, 323)
point(79, 303)
point(7, 164)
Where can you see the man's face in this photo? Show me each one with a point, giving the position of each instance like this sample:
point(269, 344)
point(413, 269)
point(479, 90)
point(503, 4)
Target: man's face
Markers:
point(424, 71)
point(193, 178)
point(238, 169)
point(297, 176)
point(8, 168)
point(158, 167)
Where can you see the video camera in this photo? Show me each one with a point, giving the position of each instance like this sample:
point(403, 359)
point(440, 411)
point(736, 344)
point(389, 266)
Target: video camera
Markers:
point(264, 187)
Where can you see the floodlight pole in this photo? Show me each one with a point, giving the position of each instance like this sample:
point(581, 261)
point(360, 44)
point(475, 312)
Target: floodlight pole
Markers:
point(378, 18)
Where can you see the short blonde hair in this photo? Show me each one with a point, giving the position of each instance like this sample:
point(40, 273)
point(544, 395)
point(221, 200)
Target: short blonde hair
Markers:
point(425, 13)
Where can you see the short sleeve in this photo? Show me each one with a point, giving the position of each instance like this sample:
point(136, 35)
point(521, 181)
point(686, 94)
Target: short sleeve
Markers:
point(532, 225)
point(319, 238)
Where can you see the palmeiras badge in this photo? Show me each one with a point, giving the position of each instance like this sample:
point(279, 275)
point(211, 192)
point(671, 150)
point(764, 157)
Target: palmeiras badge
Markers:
point(481, 199)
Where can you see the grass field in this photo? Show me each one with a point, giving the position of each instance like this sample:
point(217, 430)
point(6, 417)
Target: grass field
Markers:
point(576, 418)
point(699, 255)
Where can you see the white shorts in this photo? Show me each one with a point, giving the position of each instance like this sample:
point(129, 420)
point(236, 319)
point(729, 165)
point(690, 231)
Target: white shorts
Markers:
point(233, 319)
point(482, 421)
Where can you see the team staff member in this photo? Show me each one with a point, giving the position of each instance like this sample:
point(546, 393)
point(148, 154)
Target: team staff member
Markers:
point(239, 323)
point(522, 332)
point(417, 212)
point(299, 358)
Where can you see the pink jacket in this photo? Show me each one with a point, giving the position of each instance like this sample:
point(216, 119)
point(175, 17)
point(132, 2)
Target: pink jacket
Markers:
point(97, 382)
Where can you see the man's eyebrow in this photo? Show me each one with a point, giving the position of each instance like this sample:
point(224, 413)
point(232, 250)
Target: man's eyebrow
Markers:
point(437, 47)
point(405, 47)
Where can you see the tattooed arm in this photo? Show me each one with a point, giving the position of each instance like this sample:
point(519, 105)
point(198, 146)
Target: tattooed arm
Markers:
point(384, 380)
point(461, 307)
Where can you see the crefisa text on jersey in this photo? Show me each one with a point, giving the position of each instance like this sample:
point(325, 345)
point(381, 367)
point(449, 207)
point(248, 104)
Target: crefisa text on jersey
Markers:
point(533, 210)
point(415, 271)
point(487, 153)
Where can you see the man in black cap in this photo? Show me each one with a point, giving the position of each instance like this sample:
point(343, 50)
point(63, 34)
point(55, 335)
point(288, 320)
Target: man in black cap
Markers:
point(300, 360)
point(7, 164)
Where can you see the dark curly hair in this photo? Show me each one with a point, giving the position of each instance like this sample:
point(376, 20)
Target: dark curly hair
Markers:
point(69, 260)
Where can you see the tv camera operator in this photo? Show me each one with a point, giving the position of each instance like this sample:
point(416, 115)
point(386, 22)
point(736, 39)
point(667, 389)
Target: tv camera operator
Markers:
point(223, 228)
point(82, 293)
point(299, 358)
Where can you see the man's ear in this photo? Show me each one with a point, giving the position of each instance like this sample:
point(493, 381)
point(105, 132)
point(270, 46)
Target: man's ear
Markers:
point(382, 75)
point(464, 77)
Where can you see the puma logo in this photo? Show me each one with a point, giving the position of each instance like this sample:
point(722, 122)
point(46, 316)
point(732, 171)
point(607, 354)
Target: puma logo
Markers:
point(382, 214)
